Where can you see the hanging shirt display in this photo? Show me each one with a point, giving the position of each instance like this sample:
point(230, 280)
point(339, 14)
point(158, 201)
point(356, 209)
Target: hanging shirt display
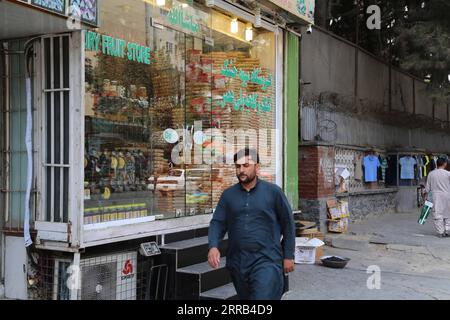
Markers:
point(433, 160)
point(384, 165)
point(358, 167)
point(391, 171)
point(371, 164)
point(407, 167)
point(420, 168)
point(426, 165)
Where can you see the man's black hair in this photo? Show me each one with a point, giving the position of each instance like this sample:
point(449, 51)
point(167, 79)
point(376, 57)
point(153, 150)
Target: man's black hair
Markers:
point(441, 161)
point(247, 152)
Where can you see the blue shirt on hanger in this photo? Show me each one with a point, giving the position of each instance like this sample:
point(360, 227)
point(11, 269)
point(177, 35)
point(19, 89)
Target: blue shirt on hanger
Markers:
point(407, 167)
point(371, 164)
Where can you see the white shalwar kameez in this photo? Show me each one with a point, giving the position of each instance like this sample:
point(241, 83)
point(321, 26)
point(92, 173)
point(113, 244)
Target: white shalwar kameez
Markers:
point(438, 183)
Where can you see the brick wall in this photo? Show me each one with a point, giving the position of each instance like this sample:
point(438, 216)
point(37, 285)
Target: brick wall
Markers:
point(326, 187)
point(308, 172)
point(316, 172)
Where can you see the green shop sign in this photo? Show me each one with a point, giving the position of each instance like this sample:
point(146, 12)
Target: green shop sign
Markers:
point(230, 71)
point(242, 102)
point(116, 47)
point(246, 103)
point(177, 17)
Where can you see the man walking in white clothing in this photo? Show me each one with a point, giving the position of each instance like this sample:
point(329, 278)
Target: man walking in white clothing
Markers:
point(438, 183)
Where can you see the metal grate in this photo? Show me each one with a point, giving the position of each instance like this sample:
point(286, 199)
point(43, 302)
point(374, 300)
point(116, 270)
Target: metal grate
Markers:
point(348, 158)
point(117, 276)
point(13, 154)
point(157, 282)
point(55, 79)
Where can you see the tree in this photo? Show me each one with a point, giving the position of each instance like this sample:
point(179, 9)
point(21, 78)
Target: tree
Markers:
point(414, 35)
point(424, 45)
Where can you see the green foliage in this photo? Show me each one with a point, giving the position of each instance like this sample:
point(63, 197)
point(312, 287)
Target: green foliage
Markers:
point(414, 35)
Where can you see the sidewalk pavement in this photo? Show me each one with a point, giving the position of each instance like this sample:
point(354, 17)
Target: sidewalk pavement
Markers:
point(413, 262)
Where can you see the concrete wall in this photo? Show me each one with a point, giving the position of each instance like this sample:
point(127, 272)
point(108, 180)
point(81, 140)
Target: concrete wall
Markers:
point(322, 60)
point(315, 210)
point(373, 84)
point(356, 130)
point(441, 111)
point(424, 105)
point(402, 90)
point(406, 199)
point(336, 73)
point(371, 204)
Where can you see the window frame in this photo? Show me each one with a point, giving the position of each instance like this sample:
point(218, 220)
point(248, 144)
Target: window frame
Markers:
point(65, 236)
point(121, 230)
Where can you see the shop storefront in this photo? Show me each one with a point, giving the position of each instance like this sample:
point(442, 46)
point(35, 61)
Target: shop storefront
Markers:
point(171, 93)
point(138, 112)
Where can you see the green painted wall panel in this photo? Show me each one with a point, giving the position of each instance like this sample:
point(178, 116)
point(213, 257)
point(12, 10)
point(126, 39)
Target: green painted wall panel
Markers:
point(291, 117)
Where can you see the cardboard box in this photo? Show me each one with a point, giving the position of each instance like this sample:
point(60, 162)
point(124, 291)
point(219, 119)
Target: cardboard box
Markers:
point(337, 209)
point(319, 254)
point(308, 251)
point(307, 232)
point(311, 235)
point(334, 209)
point(338, 226)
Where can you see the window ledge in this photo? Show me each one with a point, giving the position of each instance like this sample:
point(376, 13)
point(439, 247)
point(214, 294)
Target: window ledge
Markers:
point(367, 192)
point(141, 229)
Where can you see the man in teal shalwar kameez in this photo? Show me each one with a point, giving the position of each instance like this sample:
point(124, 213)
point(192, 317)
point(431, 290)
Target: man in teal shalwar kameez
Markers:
point(261, 232)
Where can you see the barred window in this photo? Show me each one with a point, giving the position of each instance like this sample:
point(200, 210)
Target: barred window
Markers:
point(56, 129)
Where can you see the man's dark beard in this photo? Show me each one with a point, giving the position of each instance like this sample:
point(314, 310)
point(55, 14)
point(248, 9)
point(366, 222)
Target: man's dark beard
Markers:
point(248, 180)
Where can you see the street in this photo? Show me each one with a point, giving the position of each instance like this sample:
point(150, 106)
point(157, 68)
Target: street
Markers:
point(413, 263)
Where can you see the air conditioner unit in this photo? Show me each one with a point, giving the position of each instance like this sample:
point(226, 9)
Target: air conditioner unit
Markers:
point(108, 277)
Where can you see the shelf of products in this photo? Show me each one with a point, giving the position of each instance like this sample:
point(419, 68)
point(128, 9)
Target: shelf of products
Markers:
point(129, 170)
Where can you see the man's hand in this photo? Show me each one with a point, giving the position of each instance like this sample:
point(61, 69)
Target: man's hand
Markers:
point(288, 265)
point(214, 257)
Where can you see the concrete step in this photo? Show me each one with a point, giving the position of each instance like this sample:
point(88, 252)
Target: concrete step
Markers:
point(226, 292)
point(203, 267)
point(347, 241)
point(181, 255)
point(189, 252)
point(196, 279)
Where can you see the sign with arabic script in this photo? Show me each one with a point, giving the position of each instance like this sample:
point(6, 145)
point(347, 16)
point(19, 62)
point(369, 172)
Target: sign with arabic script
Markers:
point(178, 17)
point(304, 9)
point(230, 71)
point(185, 17)
point(250, 102)
point(246, 102)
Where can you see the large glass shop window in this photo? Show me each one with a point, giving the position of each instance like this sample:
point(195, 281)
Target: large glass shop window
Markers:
point(172, 92)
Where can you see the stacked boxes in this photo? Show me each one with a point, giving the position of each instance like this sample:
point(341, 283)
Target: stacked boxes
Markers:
point(338, 214)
